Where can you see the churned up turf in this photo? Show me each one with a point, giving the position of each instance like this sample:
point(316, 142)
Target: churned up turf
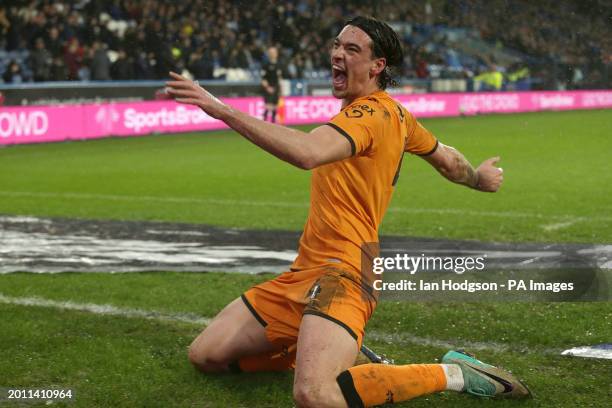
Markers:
point(556, 166)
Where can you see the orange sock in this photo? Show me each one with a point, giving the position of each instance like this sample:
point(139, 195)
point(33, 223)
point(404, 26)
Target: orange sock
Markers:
point(272, 361)
point(375, 384)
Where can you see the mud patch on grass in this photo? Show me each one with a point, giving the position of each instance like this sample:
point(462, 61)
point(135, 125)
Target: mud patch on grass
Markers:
point(63, 245)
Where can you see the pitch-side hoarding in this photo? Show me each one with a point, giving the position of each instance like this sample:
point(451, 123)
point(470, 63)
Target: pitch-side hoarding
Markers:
point(77, 122)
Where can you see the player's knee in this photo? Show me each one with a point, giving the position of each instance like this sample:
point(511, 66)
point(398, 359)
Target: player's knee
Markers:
point(197, 356)
point(206, 359)
point(303, 397)
point(306, 396)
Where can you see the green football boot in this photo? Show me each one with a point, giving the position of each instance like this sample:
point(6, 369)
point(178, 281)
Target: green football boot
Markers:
point(485, 380)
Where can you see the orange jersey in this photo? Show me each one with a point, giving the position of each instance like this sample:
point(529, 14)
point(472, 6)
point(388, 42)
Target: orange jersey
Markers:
point(349, 197)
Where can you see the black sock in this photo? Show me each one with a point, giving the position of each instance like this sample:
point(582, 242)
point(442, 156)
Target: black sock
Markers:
point(274, 115)
point(265, 115)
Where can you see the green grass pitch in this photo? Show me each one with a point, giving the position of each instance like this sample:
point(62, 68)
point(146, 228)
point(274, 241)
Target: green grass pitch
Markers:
point(557, 188)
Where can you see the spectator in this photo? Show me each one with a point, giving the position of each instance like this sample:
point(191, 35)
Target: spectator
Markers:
point(13, 74)
point(237, 57)
point(54, 42)
point(73, 58)
point(40, 61)
point(100, 63)
point(123, 68)
point(236, 36)
point(200, 64)
point(490, 80)
point(59, 72)
point(5, 24)
point(144, 64)
point(421, 69)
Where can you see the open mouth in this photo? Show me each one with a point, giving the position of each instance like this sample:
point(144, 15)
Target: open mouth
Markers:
point(339, 77)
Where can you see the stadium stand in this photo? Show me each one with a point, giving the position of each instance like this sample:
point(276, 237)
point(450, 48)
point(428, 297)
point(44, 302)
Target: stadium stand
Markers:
point(545, 44)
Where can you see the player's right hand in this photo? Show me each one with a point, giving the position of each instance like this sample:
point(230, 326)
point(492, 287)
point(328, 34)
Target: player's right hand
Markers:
point(184, 90)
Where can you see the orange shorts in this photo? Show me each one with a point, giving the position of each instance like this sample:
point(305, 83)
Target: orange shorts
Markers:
point(280, 303)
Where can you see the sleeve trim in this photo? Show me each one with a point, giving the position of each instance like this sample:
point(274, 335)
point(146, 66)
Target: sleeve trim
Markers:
point(343, 133)
point(431, 151)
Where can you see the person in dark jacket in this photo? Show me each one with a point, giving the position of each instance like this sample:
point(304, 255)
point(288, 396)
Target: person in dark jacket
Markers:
point(40, 61)
point(13, 74)
point(100, 63)
point(123, 68)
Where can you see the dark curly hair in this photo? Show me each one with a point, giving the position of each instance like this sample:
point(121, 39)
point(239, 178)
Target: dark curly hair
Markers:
point(385, 44)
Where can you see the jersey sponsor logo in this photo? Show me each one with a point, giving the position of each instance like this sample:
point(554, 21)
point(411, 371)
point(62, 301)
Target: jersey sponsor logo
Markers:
point(358, 111)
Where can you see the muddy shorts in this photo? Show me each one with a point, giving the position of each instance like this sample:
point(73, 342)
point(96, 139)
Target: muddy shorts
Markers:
point(331, 293)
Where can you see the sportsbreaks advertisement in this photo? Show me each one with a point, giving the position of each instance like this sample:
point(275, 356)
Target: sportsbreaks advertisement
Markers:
point(76, 122)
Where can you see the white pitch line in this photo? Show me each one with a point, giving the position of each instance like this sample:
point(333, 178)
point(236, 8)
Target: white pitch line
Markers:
point(164, 199)
point(287, 204)
point(559, 225)
point(396, 338)
point(402, 338)
point(503, 214)
point(108, 310)
point(407, 338)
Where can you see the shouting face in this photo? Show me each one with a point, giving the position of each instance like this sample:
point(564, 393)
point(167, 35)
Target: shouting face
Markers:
point(354, 68)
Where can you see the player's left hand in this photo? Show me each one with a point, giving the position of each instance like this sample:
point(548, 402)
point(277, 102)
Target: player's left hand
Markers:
point(184, 90)
point(490, 177)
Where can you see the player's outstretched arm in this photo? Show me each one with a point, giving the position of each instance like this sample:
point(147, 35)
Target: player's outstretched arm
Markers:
point(456, 168)
point(304, 150)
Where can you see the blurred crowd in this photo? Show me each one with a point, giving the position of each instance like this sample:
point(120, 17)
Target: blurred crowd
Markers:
point(573, 37)
point(54, 40)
